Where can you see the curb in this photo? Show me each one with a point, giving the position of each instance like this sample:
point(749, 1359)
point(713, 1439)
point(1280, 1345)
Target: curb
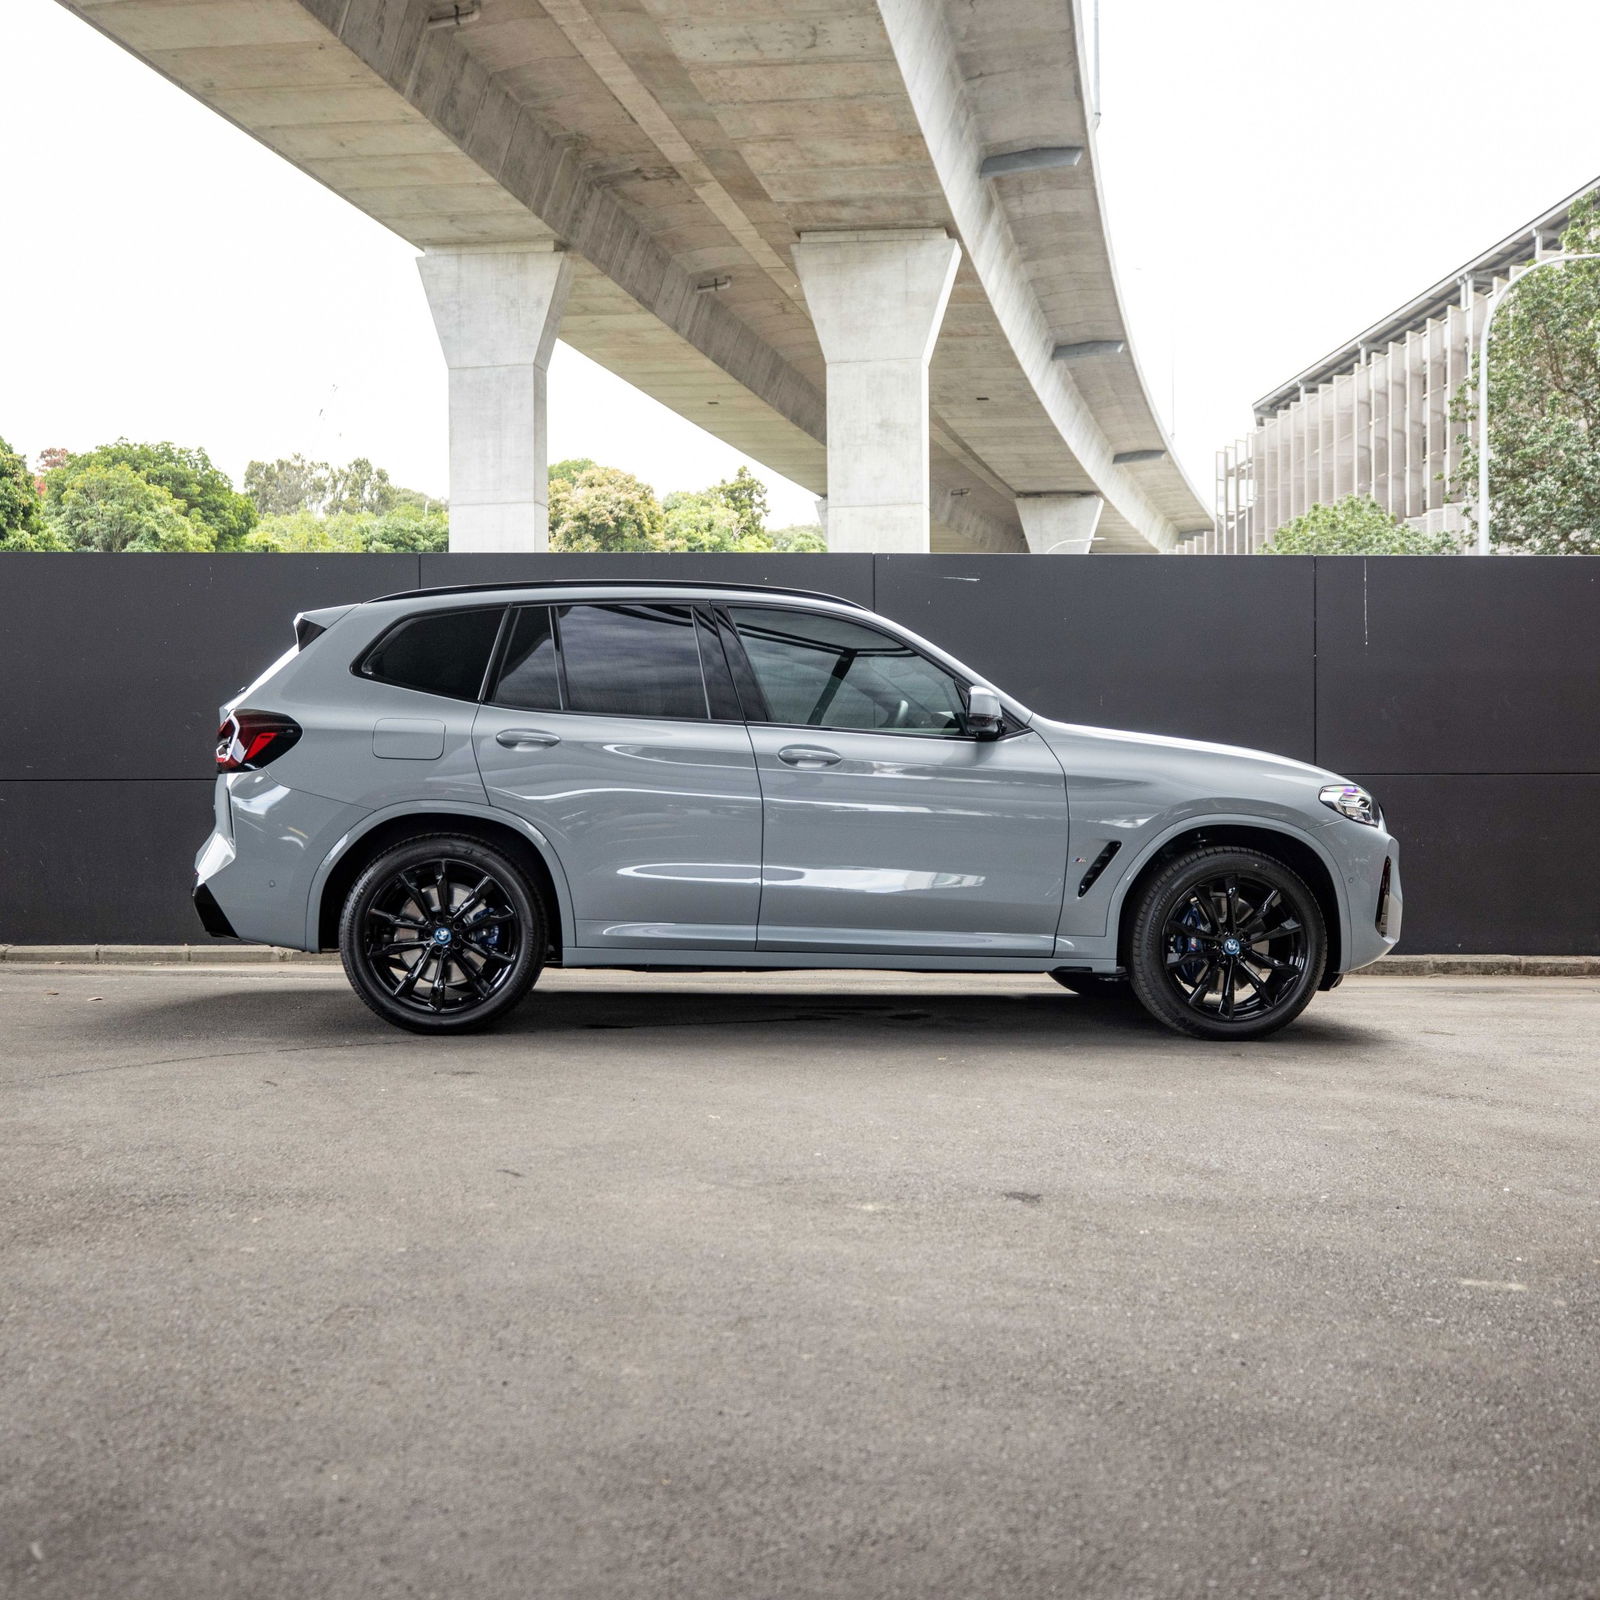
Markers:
point(1482, 967)
point(230, 954)
point(222, 953)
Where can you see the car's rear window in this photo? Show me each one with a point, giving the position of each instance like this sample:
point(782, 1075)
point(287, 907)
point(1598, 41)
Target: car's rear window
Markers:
point(634, 660)
point(440, 652)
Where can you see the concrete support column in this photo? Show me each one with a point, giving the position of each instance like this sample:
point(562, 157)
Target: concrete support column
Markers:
point(497, 311)
point(1059, 524)
point(876, 299)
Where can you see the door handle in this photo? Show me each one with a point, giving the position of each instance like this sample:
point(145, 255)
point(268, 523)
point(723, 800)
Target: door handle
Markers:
point(526, 738)
point(808, 757)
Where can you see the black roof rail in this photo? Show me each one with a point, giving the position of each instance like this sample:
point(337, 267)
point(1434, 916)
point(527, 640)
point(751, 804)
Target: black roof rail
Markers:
point(617, 583)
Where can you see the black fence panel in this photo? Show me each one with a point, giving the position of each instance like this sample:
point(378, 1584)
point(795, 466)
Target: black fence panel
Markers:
point(1205, 649)
point(102, 862)
point(1438, 666)
point(114, 666)
point(1496, 864)
point(1465, 693)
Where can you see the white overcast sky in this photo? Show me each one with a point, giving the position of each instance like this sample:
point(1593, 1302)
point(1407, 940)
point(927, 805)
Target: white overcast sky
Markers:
point(1279, 173)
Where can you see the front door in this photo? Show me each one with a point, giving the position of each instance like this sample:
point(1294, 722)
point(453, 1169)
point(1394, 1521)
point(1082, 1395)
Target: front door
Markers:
point(888, 829)
point(605, 732)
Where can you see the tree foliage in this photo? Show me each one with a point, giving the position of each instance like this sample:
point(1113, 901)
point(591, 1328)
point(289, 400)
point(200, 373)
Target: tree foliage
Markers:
point(800, 538)
point(136, 497)
point(730, 515)
point(201, 492)
point(291, 483)
point(404, 530)
point(604, 509)
point(21, 523)
point(107, 506)
point(1355, 526)
point(700, 520)
point(1544, 406)
point(745, 495)
point(572, 467)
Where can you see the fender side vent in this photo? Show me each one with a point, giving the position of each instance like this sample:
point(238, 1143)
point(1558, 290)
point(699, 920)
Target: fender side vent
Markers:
point(1097, 866)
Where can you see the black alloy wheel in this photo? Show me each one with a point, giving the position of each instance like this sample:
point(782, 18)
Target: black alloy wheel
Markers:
point(442, 934)
point(1227, 944)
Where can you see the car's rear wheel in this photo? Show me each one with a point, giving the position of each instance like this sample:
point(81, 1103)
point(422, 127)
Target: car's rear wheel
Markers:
point(442, 934)
point(1227, 944)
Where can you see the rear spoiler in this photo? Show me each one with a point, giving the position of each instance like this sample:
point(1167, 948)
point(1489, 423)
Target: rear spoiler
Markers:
point(309, 625)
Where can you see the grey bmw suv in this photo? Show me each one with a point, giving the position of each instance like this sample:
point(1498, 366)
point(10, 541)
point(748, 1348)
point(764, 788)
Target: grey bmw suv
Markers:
point(461, 787)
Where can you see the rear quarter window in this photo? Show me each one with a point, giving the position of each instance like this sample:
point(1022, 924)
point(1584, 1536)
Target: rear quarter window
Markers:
point(439, 652)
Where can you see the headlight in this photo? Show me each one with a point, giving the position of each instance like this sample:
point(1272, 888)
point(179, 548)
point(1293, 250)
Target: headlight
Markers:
point(1351, 800)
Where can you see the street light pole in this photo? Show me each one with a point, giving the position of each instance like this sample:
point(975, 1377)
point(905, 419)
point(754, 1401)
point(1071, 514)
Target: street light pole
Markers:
point(1495, 299)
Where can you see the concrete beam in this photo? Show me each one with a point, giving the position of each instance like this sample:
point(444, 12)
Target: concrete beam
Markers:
point(877, 299)
point(1060, 524)
point(497, 311)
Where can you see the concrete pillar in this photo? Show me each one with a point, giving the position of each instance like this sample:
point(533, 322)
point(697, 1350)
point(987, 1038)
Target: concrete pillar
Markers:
point(1059, 524)
point(876, 299)
point(497, 310)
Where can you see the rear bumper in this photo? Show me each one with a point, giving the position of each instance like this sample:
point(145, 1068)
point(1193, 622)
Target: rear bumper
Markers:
point(254, 875)
point(212, 917)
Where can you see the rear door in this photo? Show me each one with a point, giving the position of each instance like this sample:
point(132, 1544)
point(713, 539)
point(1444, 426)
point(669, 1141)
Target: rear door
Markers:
point(614, 729)
point(887, 828)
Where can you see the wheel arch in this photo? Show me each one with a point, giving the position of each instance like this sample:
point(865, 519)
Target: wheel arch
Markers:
point(1296, 850)
point(376, 833)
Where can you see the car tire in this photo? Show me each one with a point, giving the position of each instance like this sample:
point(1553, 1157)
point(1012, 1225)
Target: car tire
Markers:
point(442, 933)
point(1226, 944)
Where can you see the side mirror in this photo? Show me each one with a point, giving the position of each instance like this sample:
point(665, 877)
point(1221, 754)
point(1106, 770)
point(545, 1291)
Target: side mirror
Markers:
point(985, 715)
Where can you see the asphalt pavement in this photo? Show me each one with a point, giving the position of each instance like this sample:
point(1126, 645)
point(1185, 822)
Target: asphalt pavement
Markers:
point(781, 1288)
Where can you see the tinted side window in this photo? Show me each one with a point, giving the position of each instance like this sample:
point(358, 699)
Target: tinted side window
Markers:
point(442, 652)
point(825, 672)
point(634, 660)
point(529, 677)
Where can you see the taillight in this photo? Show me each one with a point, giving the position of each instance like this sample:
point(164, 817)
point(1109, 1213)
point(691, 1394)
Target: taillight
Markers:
point(250, 739)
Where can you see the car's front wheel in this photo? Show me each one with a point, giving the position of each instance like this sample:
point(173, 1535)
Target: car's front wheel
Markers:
point(1226, 944)
point(442, 934)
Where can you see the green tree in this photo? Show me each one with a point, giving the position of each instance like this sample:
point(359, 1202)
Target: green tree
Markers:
point(745, 495)
point(573, 467)
point(290, 484)
point(409, 529)
point(604, 509)
point(700, 520)
point(1544, 406)
point(201, 491)
point(360, 486)
point(304, 532)
point(1355, 526)
point(802, 538)
point(22, 527)
point(107, 506)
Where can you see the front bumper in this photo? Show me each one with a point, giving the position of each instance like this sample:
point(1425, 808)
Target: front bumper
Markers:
point(1373, 899)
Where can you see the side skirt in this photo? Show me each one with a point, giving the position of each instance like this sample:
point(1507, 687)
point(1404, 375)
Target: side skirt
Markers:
point(826, 961)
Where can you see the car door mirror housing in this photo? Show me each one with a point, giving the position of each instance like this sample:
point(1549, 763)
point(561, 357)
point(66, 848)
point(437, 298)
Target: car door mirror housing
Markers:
point(985, 715)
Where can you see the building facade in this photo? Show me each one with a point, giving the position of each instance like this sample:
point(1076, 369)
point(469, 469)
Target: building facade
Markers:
point(1374, 417)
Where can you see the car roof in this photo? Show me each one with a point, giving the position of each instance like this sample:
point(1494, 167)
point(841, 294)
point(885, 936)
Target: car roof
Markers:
point(620, 584)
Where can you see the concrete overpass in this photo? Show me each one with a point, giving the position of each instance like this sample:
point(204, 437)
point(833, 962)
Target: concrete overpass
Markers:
point(859, 240)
